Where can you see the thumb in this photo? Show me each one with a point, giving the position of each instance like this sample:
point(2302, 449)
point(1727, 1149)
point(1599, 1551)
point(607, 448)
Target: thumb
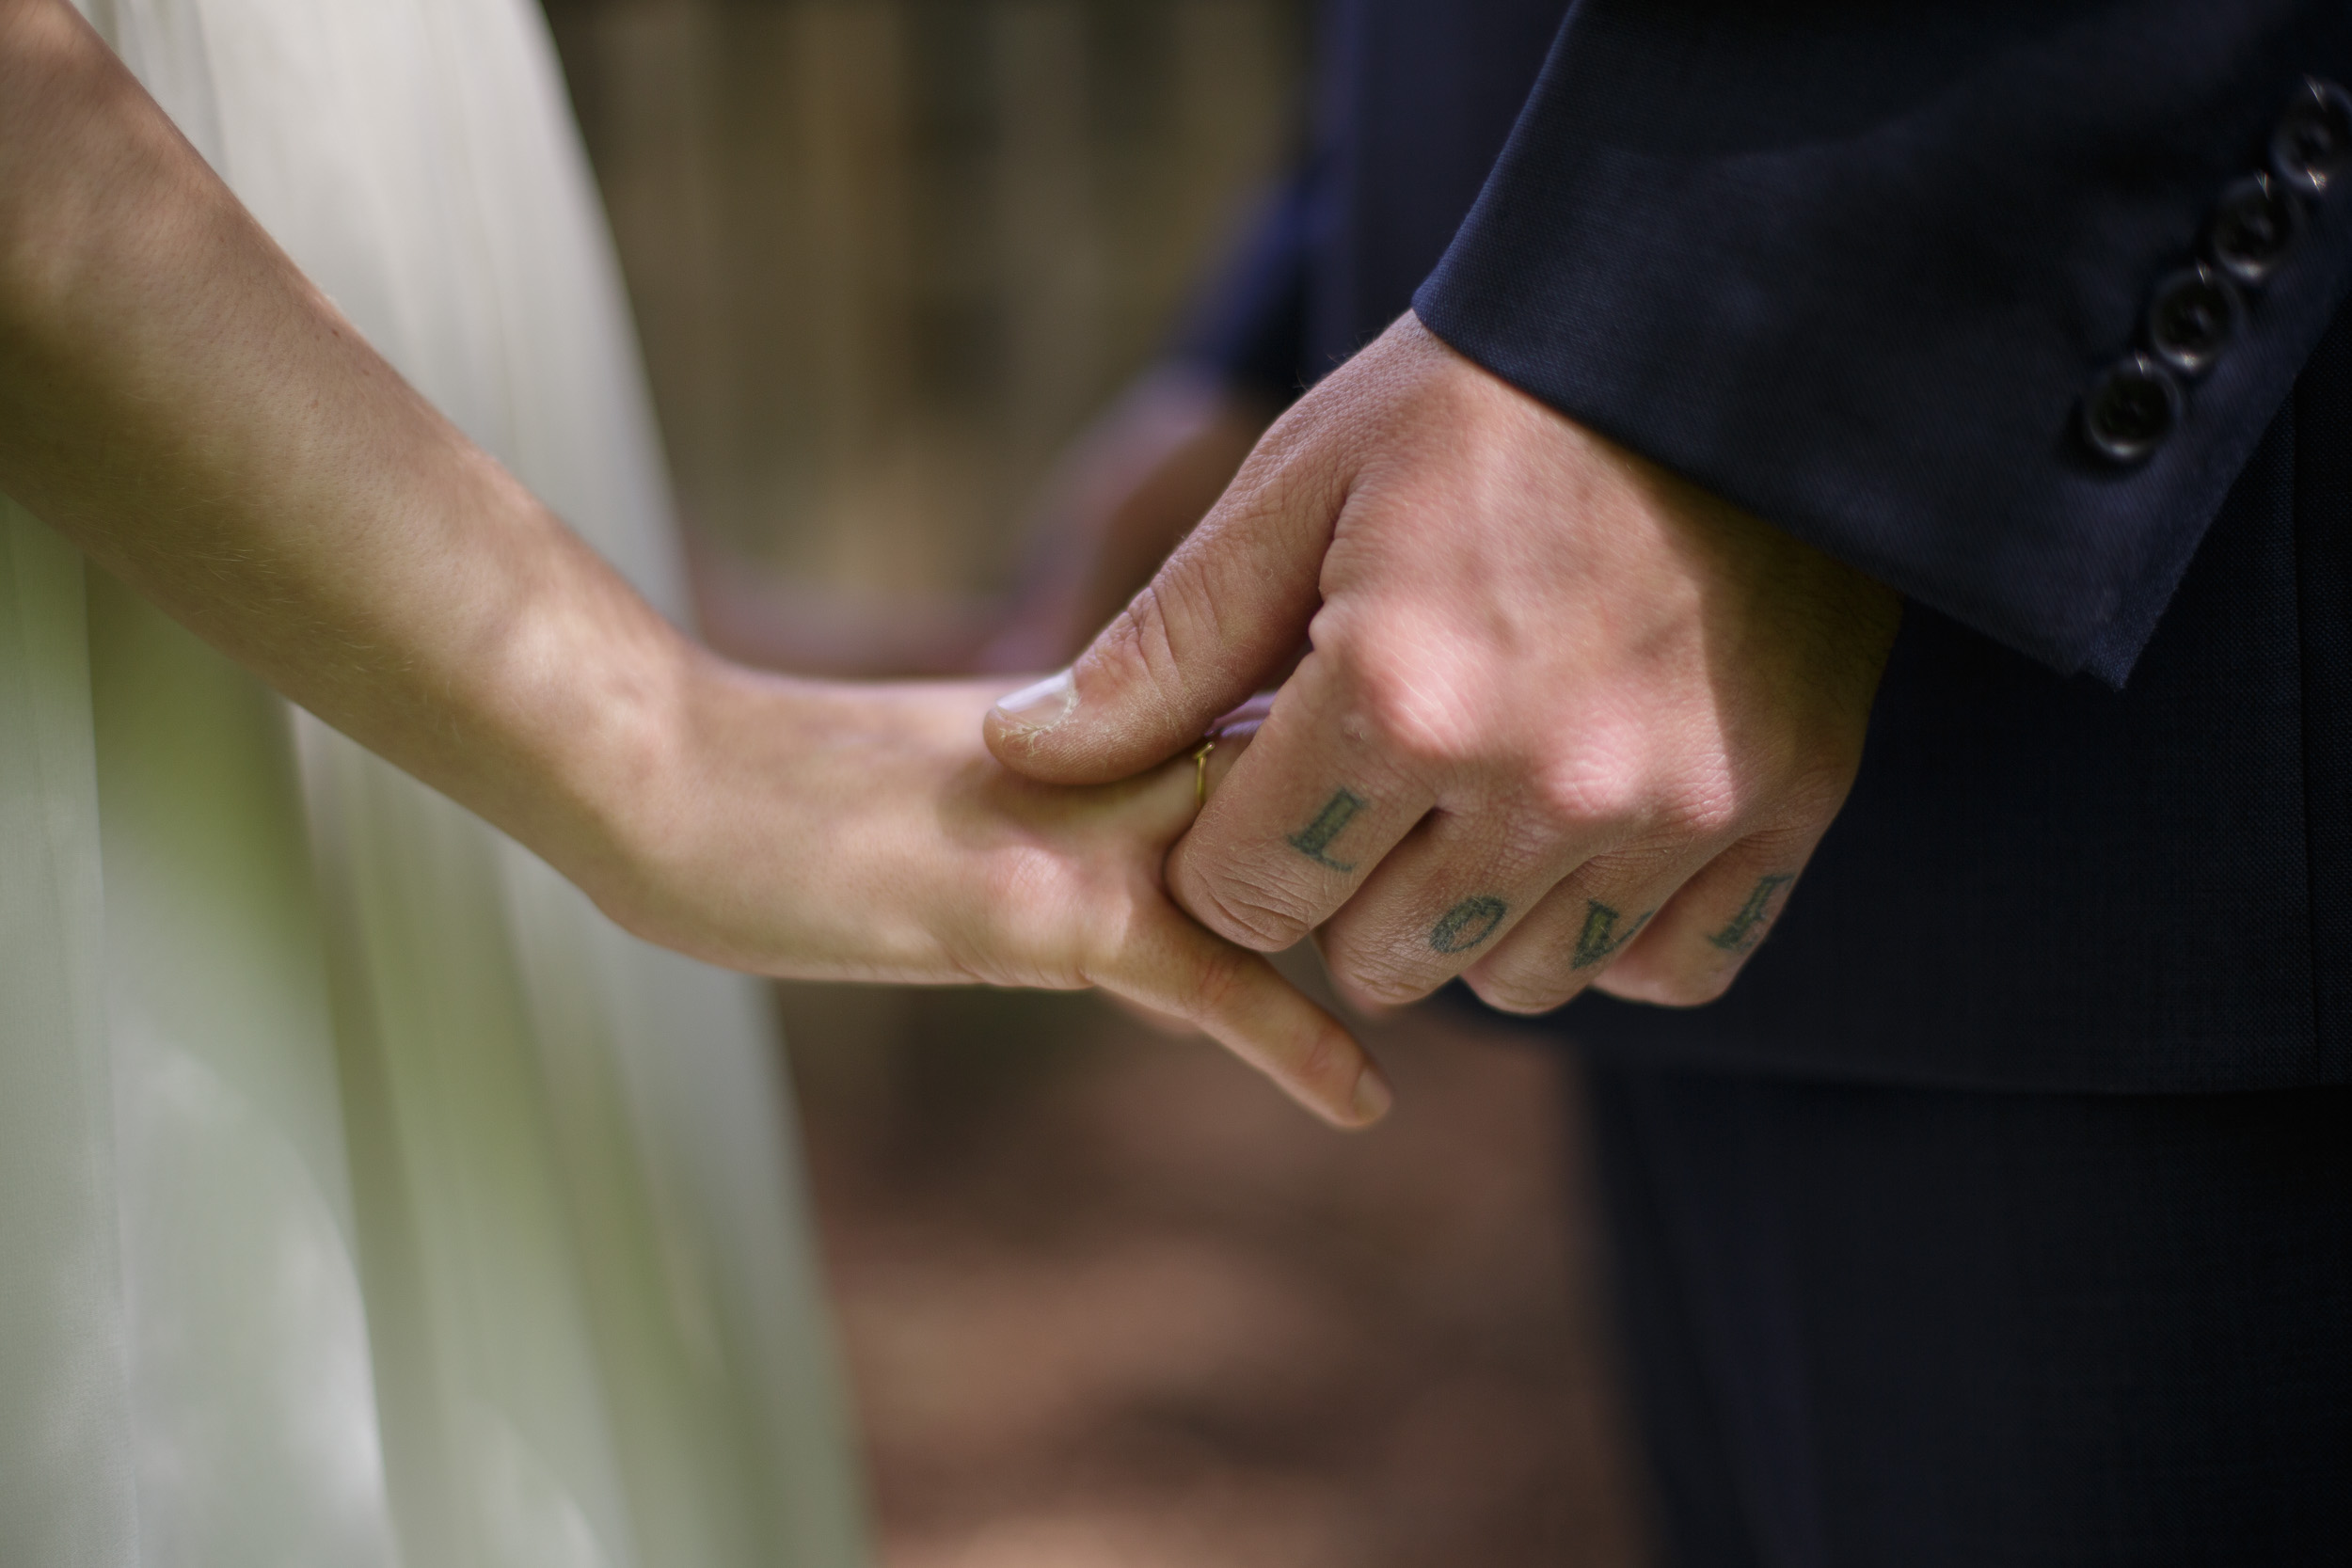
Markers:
point(1222, 617)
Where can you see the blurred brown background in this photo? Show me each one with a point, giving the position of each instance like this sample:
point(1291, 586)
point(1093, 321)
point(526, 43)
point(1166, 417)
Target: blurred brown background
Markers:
point(888, 255)
point(1108, 1301)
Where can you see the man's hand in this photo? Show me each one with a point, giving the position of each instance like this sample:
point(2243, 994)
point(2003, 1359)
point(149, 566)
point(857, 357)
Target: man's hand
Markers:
point(1565, 720)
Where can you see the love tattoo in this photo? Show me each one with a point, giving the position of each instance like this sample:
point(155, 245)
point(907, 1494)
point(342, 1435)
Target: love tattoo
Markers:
point(1748, 926)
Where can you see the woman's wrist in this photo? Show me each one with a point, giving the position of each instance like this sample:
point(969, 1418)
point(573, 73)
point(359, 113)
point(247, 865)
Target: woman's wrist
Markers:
point(591, 752)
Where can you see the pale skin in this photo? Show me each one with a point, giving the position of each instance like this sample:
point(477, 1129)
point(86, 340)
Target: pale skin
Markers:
point(179, 401)
point(1566, 721)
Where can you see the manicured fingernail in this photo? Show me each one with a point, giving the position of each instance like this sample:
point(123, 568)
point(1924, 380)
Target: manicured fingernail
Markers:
point(1040, 706)
point(1372, 1096)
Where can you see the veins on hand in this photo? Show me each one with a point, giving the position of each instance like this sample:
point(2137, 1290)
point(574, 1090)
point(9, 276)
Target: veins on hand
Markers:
point(1748, 926)
point(1314, 840)
point(1468, 924)
point(1600, 938)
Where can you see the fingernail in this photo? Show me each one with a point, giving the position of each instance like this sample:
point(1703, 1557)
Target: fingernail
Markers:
point(1372, 1096)
point(1040, 706)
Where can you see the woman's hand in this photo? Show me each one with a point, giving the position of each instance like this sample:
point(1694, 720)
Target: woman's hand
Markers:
point(829, 832)
point(177, 399)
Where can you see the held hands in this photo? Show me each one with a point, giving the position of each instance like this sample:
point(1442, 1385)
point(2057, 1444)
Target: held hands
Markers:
point(1562, 714)
point(1565, 720)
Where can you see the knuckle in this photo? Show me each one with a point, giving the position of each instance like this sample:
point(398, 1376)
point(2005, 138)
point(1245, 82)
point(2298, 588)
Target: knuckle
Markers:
point(1704, 796)
point(1324, 1055)
point(1382, 979)
point(1677, 979)
point(1260, 912)
point(1815, 796)
point(1030, 904)
point(1700, 812)
point(1412, 709)
point(1597, 786)
point(1692, 985)
point(1223, 976)
point(1141, 648)
point(1697, 990)
point(1389, 989)
point(1183, 606)
point(1525, 993)
point(1140, 627)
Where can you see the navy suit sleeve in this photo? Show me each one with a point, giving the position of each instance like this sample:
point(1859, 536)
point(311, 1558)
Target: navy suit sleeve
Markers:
point(1857, 266)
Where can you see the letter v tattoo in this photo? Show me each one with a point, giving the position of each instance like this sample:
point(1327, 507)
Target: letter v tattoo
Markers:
point(1600, 937)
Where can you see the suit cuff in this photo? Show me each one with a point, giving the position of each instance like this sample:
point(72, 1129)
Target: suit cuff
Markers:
point(1877, 289)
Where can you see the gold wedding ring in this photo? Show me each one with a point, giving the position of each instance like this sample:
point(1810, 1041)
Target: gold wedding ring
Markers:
point(1201, 769)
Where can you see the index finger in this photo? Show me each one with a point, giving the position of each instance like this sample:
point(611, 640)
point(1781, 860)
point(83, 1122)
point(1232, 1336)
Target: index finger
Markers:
point(1297, 826)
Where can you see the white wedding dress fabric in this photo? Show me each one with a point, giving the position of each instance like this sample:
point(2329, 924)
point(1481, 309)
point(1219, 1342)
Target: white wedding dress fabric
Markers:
point(367, 1200)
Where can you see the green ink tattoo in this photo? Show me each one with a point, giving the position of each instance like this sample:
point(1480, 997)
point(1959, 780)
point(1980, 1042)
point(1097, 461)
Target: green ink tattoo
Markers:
point(1600, 937)
point(1468, 924)
point(1315, 838)
point(1747, 928)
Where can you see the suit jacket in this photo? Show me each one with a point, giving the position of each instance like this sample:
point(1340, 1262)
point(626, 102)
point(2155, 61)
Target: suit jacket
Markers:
point(1921, 284)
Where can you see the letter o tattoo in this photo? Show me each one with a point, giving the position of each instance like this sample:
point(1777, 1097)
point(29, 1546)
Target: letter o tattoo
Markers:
point(1468, 924)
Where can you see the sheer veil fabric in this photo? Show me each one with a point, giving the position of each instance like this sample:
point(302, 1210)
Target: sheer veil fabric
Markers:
point(366, 1198)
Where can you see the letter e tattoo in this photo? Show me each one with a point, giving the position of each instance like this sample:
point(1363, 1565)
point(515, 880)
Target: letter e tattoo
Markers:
point(1747, 928)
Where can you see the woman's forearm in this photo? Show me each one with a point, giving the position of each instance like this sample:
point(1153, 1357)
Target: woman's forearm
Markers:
point(180, 401)
point(177, 400)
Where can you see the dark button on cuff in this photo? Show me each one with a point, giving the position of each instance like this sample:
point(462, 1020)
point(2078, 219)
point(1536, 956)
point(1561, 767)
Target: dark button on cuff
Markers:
point(2254, 226)
point(2313, 139)
point(2192, 318)
point(2131, 409)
